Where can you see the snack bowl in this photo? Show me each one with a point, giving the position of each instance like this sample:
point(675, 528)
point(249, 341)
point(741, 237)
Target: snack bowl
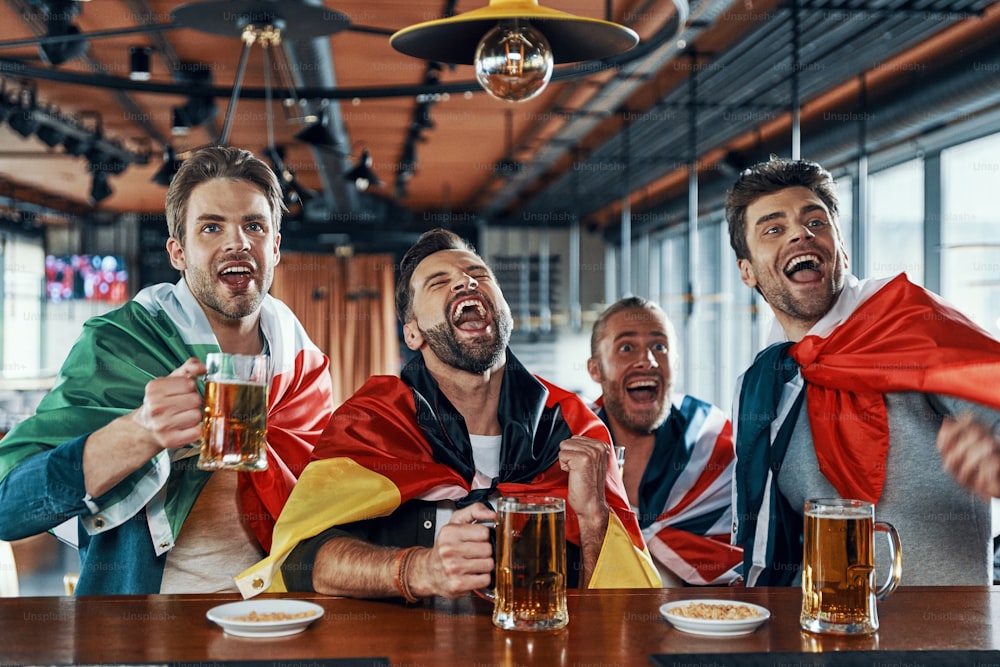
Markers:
point(265, 618)
point(714, 618)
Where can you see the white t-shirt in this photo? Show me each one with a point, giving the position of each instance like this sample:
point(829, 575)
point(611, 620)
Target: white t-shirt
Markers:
point(486, 456)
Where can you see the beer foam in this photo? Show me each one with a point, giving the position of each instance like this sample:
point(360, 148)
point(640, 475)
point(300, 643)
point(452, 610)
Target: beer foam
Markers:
point(842, 513)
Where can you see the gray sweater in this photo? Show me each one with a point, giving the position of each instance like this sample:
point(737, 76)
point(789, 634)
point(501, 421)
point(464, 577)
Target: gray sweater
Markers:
point(945, 531)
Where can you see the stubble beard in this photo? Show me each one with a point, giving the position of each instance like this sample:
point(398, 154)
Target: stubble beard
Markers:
point(810, 308)
point(235, 307)
point(640, 423)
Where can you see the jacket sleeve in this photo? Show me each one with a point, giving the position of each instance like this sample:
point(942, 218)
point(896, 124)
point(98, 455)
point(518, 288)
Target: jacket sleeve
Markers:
point(43, 491)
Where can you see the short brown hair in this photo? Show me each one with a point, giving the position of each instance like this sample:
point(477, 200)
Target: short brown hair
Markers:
point(212, 162)
point(767, 177)
point(429, 243)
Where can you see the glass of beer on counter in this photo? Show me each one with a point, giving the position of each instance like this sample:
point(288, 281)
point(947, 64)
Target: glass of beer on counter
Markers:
point(530, 592)
point(838, 566)
point(234, 423)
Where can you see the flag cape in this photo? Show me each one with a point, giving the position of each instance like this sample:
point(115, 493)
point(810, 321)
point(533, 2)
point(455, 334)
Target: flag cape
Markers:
point(105, 375)
point(398, 439)
point(901, 338)
point(685, 496)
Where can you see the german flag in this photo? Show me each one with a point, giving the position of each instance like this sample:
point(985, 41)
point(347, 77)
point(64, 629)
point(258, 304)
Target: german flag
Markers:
point(399, 439)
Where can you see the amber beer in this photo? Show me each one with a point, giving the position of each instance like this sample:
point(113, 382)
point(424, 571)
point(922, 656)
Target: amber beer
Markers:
point(530, 589)
point(234, 423)
point(838, 566)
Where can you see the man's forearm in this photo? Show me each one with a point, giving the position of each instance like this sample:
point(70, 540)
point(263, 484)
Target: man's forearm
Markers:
point(349, 567)
point(592, 532)
point(114, 452)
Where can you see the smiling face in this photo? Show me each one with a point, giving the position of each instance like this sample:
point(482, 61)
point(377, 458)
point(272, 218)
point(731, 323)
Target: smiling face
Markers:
point(797, 258)
point(230, 248)
point(633, 363)
point(459, 314)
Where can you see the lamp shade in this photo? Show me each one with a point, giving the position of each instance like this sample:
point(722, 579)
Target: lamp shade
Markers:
point(362, 174)
point(571, 38)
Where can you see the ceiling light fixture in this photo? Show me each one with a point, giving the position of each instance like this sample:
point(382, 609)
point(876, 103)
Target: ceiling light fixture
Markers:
point(514, 44)
point(138, 63)
point(362, 174)
point(99, 188)
point(292, 191)
point(317, 133)
point(199, 108)
point(23, 119)
point(51, 134)
point(169, 168)
point(59, 24)
point(258, 22)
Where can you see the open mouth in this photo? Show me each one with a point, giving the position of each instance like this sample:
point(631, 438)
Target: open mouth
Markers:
point(470, 314)
point(646, 390)
point(237, 276)
point(803, 269)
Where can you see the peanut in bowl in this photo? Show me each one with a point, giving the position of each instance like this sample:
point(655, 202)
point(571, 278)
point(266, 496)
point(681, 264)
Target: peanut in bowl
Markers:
point(265, 618)
point(716, 618)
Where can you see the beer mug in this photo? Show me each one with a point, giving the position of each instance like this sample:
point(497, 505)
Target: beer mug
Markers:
point(530, 591)
point(234, 421)
point(838, 566)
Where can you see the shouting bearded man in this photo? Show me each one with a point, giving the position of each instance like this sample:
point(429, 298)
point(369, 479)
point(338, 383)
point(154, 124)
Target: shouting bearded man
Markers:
point(395, 501)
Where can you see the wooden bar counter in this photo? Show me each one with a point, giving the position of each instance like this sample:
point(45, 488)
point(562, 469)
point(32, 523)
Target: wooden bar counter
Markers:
point(919, 626)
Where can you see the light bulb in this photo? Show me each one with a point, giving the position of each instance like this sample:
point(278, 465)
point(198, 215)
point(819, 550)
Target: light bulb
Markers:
point(513, 61)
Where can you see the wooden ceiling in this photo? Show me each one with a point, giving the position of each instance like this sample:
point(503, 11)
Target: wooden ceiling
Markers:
point(455, 156)
point(467, 131)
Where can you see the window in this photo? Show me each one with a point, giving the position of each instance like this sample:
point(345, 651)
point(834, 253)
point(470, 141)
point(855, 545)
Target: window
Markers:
point(23, 282)
point(895, 235)
point(970, 230)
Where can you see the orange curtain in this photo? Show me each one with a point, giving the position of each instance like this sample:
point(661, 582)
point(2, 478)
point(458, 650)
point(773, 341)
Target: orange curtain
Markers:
point(346, 305)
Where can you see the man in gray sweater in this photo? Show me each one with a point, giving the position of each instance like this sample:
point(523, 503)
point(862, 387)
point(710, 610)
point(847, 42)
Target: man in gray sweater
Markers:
point(864, 384)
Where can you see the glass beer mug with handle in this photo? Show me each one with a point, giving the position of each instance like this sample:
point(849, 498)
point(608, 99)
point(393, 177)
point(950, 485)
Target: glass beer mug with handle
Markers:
point(838, 566)
point(234, 423)
point(530, 590)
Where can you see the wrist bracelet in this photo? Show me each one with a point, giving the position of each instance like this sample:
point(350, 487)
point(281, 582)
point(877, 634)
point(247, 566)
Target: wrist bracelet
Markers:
point(403, 559)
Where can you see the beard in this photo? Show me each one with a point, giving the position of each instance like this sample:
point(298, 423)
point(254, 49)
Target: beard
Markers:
point(641, 422)
point(477, 356)
point(204, 287)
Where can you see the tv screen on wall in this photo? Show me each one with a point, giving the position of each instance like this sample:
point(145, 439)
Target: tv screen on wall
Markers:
point(86, 277)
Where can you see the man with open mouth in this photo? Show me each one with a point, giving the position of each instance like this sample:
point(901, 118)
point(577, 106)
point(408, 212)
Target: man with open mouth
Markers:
point(114, 445)
point(396, 501)
point(871, 389)
point(678, 466)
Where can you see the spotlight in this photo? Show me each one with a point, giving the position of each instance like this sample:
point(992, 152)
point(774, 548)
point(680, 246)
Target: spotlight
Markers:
point(99, 188)
point(138, 60)
point(199, 108)
point(318, 133)
point(168, 170)
point(59, 23)
point(76, 145)
point(50, 135)
point(196, 111)
point(23, 119)
point(362, 175)
point(292, 191)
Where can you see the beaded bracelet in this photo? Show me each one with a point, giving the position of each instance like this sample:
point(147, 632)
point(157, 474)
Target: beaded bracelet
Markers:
point(403, 559)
